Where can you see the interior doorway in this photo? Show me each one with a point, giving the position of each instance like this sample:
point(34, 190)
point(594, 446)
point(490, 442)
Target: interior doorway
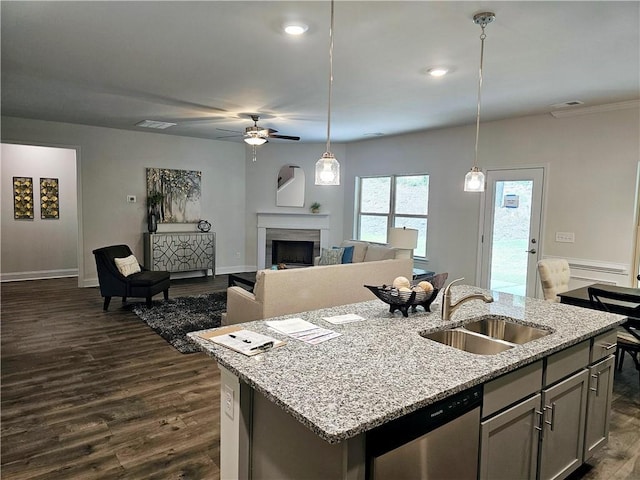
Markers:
point(510, 230)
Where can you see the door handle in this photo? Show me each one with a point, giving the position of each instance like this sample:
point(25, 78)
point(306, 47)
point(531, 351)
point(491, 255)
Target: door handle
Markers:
point(597, 389)
point(551, 407)
point(532, 251)
point(541, 414)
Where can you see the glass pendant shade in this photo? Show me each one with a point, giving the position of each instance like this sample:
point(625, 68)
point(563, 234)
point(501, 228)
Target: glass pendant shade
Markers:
point(474, 181)
point(327, 170)
point(256, 141)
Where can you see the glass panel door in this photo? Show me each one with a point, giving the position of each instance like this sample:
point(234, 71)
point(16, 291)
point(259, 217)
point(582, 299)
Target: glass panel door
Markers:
point(511, 230)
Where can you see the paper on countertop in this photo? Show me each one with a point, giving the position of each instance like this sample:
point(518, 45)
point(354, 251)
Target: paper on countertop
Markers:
point(302, 330)
point(243, 341)
point(346, 318)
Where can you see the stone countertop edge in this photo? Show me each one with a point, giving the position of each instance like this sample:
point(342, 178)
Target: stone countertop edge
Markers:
point(367, 377)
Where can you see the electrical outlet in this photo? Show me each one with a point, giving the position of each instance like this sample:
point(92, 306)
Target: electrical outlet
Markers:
point(227, 395)
point(131, 199)
point(565, 237)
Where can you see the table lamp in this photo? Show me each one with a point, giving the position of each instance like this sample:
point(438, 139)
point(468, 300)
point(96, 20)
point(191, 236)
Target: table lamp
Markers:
point(404, 239)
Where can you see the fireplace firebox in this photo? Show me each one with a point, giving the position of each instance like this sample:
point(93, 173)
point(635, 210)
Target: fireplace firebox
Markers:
point(292, 252)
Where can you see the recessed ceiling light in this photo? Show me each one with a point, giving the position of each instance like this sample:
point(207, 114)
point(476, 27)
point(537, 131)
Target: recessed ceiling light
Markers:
point(155, 124)
point(438, 71)
point(295, 28)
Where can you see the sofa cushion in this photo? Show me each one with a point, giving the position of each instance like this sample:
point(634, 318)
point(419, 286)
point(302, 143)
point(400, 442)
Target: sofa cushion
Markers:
point(331, 256)
point(359, 249)
point(379, 252)
point(347, 254)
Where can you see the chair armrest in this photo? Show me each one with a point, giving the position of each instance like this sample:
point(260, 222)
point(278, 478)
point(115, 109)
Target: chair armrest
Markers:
point(242, 306)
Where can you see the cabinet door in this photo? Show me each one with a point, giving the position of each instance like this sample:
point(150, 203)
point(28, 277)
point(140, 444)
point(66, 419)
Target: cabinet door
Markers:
point(565, 407)
point(509, 442)
point(598, 406)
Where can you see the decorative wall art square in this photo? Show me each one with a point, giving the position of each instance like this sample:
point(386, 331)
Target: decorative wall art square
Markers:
point(23, 198)
point(49, 201)
point(179, 191)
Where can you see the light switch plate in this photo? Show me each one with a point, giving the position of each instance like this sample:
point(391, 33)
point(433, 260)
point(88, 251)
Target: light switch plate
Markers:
point(565, 237)
point(227, 397)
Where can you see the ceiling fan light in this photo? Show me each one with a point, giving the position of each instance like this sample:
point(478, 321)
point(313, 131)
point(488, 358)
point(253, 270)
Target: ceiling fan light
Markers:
point(327, 170)
point(474, 180)
point(255, 141)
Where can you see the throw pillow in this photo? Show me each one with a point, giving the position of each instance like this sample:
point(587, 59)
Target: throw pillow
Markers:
point(379, 252)
point(347, 254)
point(127, 265)
point(330, 256)
point(359, 249)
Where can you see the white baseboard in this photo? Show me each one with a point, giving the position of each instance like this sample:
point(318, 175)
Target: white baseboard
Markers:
point(38, 275)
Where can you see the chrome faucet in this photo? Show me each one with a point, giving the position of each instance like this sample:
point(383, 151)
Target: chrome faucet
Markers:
point(448, 308)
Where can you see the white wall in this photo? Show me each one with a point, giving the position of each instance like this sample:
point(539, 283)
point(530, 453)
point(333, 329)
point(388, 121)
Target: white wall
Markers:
point(39, 248)
point(113, 165)
point(591, 165)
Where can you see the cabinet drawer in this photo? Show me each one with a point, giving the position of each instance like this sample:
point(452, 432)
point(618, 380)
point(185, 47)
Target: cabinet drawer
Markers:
point(603, 345)
point(511, 387)
point(568, 361)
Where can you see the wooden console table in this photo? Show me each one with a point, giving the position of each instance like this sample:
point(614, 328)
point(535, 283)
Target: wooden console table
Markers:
point(180, 251)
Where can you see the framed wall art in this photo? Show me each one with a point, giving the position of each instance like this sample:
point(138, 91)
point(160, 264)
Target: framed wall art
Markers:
point(174, 194)
point(23, 198)
point(49, 200)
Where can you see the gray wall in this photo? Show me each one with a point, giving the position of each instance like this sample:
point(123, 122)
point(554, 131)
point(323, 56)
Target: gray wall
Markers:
point(112, 164)
point(39, 246)
point(591, 163)
point(591, 166)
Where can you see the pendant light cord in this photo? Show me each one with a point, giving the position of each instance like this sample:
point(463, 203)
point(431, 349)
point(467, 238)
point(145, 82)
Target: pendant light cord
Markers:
point(330, 81)
point(482, 37)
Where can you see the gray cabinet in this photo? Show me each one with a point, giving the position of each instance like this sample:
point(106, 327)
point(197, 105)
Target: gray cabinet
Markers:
point(598, 406)
point(564, 413)
point(180, 251)
point(510, 442)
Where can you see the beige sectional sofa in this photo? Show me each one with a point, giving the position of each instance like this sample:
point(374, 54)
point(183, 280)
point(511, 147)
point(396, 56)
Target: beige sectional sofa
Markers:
point(281, 292)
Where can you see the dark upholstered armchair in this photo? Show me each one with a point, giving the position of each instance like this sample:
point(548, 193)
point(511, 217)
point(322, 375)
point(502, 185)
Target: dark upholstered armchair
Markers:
point(143, 284)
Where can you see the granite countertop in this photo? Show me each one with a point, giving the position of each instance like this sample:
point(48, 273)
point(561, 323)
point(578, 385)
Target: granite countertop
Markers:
point(381, 368)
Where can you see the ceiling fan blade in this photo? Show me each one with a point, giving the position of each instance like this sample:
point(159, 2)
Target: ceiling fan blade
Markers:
point(234, 131)
point(284, 137)
point(229, 136)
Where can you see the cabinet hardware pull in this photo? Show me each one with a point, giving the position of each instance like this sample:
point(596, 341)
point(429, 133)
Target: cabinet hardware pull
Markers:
point(597, 389)
point(539, 428)
point(610, 346)
point(551, 407)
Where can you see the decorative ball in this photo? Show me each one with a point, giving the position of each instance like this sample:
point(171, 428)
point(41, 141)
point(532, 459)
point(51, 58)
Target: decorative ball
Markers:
point(204, 226)
point(404, 289)
point(426, 286)
point(401, 282)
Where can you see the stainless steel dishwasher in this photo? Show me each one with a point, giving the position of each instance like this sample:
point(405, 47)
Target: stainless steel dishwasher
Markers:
point(440, 441)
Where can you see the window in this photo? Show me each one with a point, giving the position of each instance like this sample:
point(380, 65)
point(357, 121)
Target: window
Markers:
point(392, 201)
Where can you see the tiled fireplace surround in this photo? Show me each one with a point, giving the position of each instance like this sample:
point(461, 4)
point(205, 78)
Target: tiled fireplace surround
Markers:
point(290, 226)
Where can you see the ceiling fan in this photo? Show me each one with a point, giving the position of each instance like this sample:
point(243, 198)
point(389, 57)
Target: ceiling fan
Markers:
point(256, 135)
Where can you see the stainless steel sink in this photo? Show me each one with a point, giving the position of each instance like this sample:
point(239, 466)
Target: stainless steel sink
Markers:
point(501, 328)
point(468, 341)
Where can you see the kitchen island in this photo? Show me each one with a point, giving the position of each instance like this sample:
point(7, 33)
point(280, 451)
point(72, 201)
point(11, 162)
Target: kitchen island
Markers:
point(323, 399)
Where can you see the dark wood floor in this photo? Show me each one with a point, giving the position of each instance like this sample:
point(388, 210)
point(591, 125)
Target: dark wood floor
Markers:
point(88, 394)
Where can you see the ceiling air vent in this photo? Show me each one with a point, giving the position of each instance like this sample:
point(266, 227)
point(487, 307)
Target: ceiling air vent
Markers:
point(571, 103)
point(155, 124)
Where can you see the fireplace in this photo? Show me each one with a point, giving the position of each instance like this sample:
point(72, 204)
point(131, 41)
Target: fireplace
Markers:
point(299, 227)
point(292, 252)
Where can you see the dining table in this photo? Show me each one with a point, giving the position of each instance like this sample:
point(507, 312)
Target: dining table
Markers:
point(580, 297)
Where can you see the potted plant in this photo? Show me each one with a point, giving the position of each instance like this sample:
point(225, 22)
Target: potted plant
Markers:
point(315, 207)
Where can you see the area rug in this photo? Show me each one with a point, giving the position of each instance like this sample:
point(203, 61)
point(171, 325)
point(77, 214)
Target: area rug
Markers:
point(173, 319)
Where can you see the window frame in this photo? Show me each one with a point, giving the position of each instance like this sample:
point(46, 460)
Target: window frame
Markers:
point(392, 215)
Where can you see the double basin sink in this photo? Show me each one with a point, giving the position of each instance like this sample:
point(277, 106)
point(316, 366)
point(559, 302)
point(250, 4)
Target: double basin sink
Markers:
point(488, 335)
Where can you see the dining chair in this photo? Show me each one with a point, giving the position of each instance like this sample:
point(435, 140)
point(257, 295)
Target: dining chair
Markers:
point(554, 277)
point(629, 333)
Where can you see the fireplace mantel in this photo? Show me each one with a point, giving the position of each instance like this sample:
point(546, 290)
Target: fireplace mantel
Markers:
point(291, 221)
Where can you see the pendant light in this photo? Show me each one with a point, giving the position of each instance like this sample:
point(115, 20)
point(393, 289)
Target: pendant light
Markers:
point(474, 180)
point(328, 168)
